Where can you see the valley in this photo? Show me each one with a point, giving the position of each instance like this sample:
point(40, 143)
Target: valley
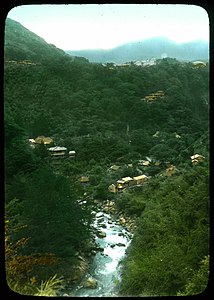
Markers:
point(89, 141)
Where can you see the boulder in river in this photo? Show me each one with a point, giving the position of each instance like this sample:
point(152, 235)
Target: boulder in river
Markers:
point(99, 214)
point(100, 220)
point(120, 244)
point(90, 283)
point(101, 234)
point(120, 234)
point(103, 225)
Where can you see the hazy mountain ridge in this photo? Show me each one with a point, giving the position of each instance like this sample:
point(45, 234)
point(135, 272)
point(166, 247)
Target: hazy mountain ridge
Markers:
point(147, 49)
point(21, 43)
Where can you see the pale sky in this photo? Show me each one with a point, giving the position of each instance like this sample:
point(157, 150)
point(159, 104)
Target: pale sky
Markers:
point(105, 26)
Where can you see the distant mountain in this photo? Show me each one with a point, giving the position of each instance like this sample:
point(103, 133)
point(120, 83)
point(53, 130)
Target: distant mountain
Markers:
point(147, 49)
point(22, 44)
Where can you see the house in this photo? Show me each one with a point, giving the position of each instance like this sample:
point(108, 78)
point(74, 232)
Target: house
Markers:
point(72, 153)
point(177, 135)
point(32, 143)
point(170, 171)
point(159, 93)
point(114, 167)
point(197, 158)
point(84, 179)
point(112, 188)
point(150, 98)
point(199, 64)
point(125, 181)
point(57, 151)
point(43, 140)
point(154, 96)
point(143, 162)
point(140, 179)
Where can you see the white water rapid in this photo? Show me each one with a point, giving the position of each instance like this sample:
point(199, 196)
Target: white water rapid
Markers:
point(105, 267)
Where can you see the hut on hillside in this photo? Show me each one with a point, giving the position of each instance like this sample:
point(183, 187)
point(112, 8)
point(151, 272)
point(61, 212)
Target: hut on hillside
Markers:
point(196, 158)
point(140, 179)
point(43, 140)
point(57, 151)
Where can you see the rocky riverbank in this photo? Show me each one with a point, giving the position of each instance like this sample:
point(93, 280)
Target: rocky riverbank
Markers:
point(107, 220)
point(129, 223)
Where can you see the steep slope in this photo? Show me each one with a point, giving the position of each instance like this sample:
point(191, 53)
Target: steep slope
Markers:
point(22, 44)
point(146, 49)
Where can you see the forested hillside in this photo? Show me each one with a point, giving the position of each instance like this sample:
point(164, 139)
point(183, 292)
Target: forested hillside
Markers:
point(102, 113)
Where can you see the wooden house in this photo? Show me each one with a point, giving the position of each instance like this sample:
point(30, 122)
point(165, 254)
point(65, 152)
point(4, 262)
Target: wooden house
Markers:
point(84, 179)
point(112, 188)
point(154, 96)
point(72, 153)
point(199, 64)
point(170, 171)
point(57, 151)
point(140, 179)
point(43, 140)
point(197, 158)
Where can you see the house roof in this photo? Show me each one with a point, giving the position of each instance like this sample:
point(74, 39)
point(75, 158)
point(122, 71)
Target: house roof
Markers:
point(42, 139)
point(84, 179)
point(127, 179)
point(139, 177)
point(114, 167)
point(32, 141)
point(144, 162)
point(197, 156)
point(199, 62)
point(57, 148)
point(72, 152)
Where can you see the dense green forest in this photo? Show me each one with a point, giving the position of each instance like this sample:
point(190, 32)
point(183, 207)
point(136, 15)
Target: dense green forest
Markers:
point(101, 113)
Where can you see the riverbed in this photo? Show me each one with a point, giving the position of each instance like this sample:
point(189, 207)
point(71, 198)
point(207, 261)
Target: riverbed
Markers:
point(105, 269)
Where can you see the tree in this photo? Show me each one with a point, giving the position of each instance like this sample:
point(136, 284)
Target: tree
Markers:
point(19, 157)
point(55, 222)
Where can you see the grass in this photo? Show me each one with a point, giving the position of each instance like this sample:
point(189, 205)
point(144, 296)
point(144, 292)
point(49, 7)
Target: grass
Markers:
point(50, 287)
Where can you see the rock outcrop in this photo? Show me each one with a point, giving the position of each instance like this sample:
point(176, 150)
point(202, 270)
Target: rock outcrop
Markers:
point(90, 283)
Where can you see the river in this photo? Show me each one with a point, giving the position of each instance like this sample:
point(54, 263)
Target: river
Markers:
point(105, 267)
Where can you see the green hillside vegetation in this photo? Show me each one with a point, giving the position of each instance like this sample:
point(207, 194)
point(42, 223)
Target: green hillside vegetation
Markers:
point(101, 113)
point(172, 237)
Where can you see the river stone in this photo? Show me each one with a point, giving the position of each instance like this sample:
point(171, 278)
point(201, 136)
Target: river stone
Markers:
point(102, 225)
point(120, 234)
point(120, 244)
point(100, 220)
point(99, 214)
point(90, 283)
point(101, 234)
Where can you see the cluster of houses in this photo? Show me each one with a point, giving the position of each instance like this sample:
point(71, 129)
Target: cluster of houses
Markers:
point(154, 96)
point(55, 151)
point(121, 184)
point(126, 182)
point(139, 63)
point(22, 62)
